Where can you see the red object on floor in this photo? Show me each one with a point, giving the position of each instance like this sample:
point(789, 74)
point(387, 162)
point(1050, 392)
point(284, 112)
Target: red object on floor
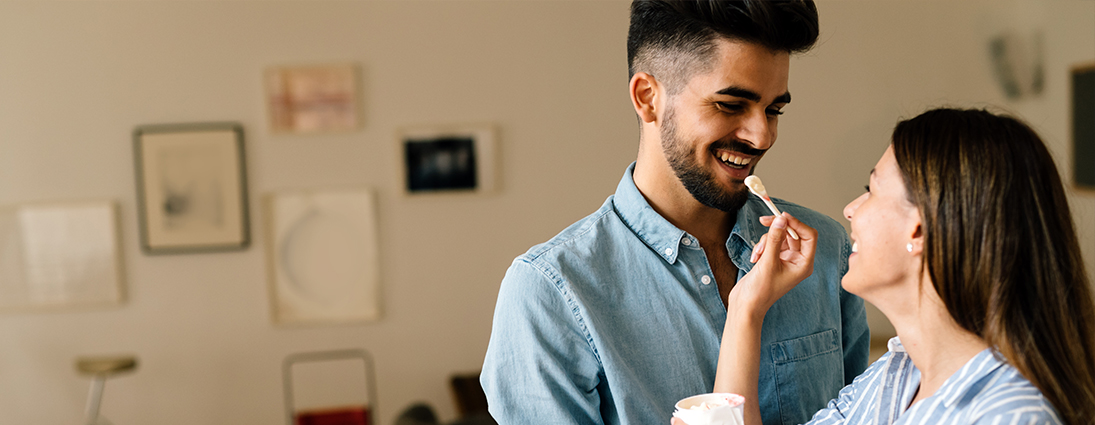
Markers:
point(355, 415)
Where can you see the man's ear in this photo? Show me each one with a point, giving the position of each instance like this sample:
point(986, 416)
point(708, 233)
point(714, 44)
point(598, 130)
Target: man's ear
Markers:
point(644, 90)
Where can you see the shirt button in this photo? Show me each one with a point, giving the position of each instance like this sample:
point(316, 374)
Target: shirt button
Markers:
point(706, 279)
point(687, 242)
point(669, 251)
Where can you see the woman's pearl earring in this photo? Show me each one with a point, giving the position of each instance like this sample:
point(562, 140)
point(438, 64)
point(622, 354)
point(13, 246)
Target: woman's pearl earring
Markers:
point(908, 247)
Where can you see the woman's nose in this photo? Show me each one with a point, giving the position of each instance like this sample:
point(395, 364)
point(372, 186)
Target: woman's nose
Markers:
point(852, 206)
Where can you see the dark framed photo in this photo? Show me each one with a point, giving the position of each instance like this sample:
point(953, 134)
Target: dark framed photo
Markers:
point(447, 159)
point(191, 187)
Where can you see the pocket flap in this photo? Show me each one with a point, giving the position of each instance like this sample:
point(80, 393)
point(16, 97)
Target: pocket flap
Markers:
point(805, 347)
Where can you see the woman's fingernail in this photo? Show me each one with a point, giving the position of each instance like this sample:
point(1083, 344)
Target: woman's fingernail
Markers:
point(779, 222)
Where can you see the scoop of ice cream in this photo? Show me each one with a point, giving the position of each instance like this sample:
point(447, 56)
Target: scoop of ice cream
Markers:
point(711, 409)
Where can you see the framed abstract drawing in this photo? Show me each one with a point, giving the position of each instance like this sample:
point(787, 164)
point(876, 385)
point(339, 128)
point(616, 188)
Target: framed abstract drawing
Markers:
point(191, 187)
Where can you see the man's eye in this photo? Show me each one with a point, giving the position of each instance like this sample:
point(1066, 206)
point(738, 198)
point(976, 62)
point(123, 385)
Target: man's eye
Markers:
point(775, 112)
point(728, 107)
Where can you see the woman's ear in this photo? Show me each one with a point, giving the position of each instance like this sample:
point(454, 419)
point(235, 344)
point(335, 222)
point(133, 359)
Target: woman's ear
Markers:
point(916, 240)
point(644, 95)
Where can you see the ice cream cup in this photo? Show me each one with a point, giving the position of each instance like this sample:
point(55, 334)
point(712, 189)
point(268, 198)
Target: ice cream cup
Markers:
point(711, 409)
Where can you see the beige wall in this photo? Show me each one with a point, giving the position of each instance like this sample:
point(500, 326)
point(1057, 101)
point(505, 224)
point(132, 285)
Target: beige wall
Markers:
point(76, 77)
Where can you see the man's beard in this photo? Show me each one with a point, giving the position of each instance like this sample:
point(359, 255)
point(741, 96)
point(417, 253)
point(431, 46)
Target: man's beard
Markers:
point(698, 181)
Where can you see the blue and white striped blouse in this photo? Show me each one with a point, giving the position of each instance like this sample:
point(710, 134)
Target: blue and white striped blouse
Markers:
point(985, 391)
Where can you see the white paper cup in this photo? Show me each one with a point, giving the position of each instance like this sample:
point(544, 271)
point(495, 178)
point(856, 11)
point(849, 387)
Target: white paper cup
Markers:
point(720, 409)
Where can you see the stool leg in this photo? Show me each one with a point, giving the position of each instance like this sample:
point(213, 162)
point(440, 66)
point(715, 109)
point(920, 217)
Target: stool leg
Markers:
point(94, 399)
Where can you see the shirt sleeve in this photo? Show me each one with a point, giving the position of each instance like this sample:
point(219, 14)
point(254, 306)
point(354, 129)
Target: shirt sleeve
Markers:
point(540, 366)
point(1035, 415)
point(856, 334)
point(853, 396)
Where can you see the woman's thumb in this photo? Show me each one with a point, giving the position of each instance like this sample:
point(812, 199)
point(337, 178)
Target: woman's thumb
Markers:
point(776, 233)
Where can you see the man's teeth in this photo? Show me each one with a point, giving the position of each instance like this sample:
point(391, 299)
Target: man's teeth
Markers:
point(855, 247)
point(734, 159)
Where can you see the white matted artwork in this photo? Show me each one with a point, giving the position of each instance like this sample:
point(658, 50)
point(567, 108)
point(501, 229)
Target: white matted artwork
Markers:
point(59, 255)
point(308, 99)
point(323, 256)
point(447, 159)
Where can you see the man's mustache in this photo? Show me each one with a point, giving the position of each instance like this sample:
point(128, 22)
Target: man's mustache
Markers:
point(737, 146)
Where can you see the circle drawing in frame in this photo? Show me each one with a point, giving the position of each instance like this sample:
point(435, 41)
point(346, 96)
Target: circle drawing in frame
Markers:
point(322, 256)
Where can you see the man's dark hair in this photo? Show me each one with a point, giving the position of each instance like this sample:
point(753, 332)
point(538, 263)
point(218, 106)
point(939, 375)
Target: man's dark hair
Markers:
point(672, 39)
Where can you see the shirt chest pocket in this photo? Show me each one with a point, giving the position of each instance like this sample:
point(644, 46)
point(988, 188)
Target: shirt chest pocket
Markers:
point(809, 371)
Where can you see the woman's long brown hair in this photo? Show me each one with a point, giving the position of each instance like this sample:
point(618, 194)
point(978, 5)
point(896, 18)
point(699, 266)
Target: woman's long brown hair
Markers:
point(1001, 249)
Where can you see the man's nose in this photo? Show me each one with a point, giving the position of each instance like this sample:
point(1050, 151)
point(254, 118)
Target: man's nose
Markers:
point(758, 130)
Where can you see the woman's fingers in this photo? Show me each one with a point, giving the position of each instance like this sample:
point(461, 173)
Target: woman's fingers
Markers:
point(776, 236)
point(805, 245)
point(758, 249)
point(793, 261)
point(767, 221)
point(807, 241)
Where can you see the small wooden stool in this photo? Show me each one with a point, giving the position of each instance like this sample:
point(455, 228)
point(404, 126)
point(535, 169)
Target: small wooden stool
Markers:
point(101, 368)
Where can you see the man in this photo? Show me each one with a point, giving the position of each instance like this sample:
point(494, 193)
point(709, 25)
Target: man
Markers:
point(620, 315)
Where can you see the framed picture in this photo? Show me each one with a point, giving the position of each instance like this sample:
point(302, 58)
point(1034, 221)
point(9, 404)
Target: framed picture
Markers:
point(191, 187)
point(310, 99)
point(323, 256)
point(447, 159)
point(59, 255)
point(1083, 126)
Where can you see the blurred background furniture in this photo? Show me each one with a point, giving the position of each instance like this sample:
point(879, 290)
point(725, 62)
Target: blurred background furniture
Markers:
point(101, 368)
point(471, 405)
point(323, 388)
point(468, 394)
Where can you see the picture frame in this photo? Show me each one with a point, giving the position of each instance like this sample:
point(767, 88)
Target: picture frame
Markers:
point(447, 159)
point(60, 256)
point(323, 256)
point(319, 98)
point(191, 187)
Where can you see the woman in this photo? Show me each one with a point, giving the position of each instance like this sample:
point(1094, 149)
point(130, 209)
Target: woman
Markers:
point(964, 240)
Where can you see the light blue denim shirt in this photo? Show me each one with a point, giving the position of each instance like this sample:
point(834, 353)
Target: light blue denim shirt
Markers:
point(618, 317)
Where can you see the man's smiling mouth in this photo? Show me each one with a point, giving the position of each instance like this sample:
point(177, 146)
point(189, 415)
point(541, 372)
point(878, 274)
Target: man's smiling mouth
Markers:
point(733, 160)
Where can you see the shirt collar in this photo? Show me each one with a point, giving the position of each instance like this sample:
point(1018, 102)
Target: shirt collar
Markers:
point(665, 238)
point(967, 381)
point(747, 232)
point(653, 229)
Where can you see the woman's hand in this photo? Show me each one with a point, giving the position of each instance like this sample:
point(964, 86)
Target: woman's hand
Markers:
point(775, 271)
point(780, 263)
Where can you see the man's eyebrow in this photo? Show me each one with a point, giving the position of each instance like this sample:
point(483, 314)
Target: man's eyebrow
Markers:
point(740, 92)
point(752, 95)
